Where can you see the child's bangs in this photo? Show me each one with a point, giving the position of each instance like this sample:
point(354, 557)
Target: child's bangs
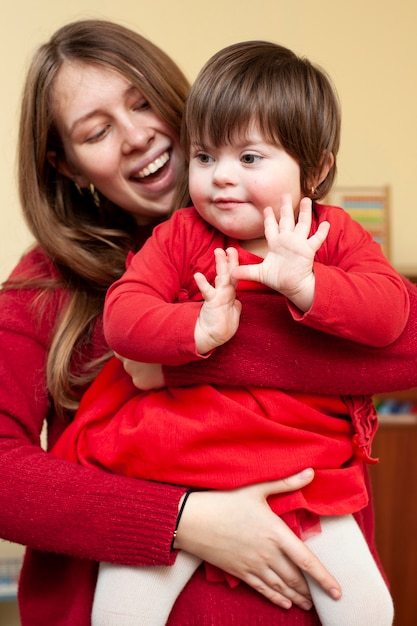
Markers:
point(223, 117)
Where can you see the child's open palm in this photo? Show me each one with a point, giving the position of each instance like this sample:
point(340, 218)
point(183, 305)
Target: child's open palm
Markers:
point(219, 316)
point(288, 265)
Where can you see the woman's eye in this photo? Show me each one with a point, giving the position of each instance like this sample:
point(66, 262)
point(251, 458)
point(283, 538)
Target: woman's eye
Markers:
point(142, 105)
point(96, 136)
point(251, 158)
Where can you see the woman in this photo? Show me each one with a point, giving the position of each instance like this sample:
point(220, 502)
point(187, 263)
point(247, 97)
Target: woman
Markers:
point(99, 161)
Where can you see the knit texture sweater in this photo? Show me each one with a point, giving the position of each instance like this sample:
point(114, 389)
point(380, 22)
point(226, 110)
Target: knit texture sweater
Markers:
point(71, 517)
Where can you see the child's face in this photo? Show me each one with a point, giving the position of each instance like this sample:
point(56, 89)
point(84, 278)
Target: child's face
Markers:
point(231, 185)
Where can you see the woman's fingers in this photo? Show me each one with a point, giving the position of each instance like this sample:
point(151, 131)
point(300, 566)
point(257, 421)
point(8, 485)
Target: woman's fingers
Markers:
point(301, 556)
point(238, 532)
point(291, 483)
point(278, 591)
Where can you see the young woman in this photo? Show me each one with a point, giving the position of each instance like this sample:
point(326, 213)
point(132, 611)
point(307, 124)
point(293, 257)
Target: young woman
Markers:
point(99, 162)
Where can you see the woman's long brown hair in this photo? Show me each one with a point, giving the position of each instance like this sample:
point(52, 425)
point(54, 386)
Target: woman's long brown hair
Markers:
point(88, 244)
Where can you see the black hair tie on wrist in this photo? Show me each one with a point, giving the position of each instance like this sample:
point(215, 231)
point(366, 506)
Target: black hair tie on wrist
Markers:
point(180, 512)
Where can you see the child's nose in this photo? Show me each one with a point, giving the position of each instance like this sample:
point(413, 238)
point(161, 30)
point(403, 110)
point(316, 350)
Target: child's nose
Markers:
point(224, 174)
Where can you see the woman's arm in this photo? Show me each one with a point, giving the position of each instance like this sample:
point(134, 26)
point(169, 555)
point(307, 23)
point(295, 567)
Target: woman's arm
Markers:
point(54, 505)
point(47, 503)
point(295, 357)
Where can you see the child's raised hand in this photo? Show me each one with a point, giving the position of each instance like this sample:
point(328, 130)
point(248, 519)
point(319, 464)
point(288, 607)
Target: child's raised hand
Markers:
point(219, 316)
point(288, 264)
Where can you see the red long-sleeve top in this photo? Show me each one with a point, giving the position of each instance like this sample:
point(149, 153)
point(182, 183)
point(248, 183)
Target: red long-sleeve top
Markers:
point(150, 315)
point(71, 517)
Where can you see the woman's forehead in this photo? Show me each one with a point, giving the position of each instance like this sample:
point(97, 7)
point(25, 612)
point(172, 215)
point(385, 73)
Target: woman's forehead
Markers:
point(81, 88)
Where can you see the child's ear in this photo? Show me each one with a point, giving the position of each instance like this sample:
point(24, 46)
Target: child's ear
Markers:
point(326, 165)
point(64, 168)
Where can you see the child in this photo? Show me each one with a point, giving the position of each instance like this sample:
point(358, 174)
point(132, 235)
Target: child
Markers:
point(261, 131)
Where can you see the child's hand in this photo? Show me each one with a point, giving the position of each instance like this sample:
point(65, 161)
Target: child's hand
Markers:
point(144, 376)
point(288, 265)
point(219, 316)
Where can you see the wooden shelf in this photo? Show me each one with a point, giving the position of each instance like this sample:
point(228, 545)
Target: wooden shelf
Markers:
point(397, 419)
point(394, 480)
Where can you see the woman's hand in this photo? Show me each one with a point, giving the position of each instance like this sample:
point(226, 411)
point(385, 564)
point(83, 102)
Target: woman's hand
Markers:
point(145, 376)
point(237, 531)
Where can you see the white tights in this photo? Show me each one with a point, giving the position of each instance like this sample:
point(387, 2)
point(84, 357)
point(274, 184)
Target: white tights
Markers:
point(342, 549)
point(133, 596)
point(139, 596)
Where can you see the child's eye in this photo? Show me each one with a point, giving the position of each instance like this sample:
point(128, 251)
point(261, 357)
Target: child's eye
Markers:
point(204, 158)
point(251, 158)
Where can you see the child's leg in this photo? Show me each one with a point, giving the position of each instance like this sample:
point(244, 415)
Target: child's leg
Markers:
point(129, 596)
point(342, 548)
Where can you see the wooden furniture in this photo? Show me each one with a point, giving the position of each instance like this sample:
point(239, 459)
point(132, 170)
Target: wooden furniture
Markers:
point(394, 482)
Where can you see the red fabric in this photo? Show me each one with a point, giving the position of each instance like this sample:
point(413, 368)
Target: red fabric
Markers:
point(228, 443)
point(265, 434)
point(158, 435)
point(240, 437)
point(300, 358)
point(54, 506)
point(71, 516)
point(354, 282)
point(220, 439)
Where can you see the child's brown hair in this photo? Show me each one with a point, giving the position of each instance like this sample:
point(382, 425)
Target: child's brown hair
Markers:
point(291, 101)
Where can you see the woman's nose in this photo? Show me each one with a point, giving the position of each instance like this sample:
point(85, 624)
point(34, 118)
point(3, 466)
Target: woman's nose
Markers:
point(137, 135)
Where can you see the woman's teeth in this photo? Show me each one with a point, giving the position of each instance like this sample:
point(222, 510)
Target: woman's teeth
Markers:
point(154, 167)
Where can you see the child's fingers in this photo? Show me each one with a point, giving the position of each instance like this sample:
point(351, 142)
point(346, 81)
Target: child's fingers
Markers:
point(270, 224)
point(319, 236)
point(226, 261)
point(232, 256)
point(247, 272)
point(305, 216)
point(286, 215)
point(222, 270)
point(203, 285)
point(232, 263)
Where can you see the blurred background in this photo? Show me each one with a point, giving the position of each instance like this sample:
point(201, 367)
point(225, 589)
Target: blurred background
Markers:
point(369, 47)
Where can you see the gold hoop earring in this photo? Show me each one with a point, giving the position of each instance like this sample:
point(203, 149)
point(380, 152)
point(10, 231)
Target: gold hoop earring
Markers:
point(94, 194)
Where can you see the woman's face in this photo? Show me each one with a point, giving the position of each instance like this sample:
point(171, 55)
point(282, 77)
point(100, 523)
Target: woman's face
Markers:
point(113, 139)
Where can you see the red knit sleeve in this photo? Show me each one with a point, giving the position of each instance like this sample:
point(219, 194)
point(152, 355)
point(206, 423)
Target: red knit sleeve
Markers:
point(55, 505)
point(295, 357)
point(358, 294)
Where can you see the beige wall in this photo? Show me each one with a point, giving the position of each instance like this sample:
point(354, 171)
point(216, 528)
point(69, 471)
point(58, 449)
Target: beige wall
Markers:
point(368, 46)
